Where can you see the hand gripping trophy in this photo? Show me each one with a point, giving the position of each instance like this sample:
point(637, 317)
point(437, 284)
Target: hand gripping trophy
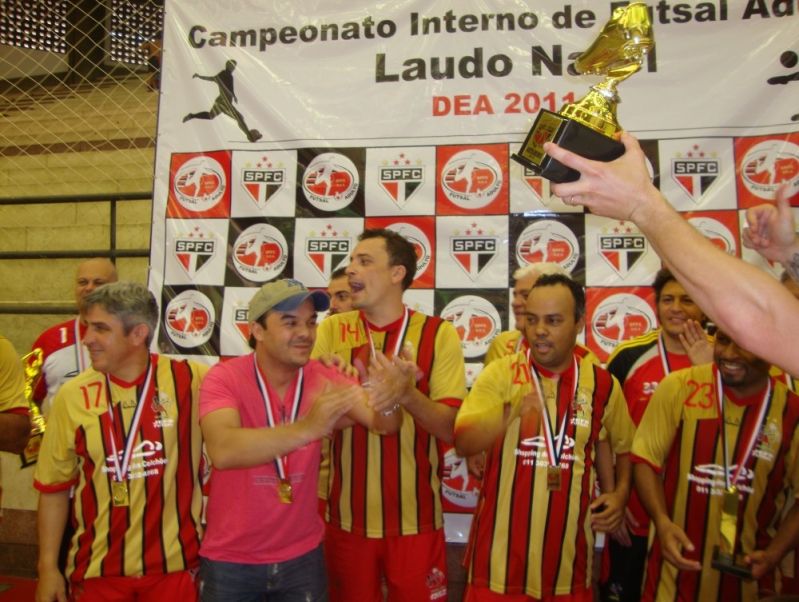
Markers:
point(589, 127)
point(32, 362)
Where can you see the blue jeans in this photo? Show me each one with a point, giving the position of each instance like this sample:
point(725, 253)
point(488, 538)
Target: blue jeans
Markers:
point(301, 579)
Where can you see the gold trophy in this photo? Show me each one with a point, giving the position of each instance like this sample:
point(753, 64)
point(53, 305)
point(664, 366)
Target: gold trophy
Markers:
point(589, 127)
point(32, 363)
point(724, 557)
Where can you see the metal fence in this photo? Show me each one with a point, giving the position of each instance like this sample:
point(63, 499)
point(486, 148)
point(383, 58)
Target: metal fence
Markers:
point(78, 103)
point(76, 76)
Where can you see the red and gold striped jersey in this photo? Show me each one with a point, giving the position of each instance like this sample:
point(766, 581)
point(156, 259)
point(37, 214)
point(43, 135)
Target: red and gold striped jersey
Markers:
point(680, 436)
point(789, 566)
point(526, 538)
point(639, 367)
point(158, 532)
point(390, 485)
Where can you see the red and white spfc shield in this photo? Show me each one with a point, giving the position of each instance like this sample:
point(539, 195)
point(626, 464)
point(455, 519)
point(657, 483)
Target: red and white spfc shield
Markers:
point(694, 176)
point(473, 253)
point(401, 182)
point(240, 320)
point(534, 183)
point(622, 251)
point(192, 254)
point(262, 184)
point(327, 254)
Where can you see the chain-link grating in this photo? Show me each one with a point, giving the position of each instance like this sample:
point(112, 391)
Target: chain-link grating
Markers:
point(77, 79)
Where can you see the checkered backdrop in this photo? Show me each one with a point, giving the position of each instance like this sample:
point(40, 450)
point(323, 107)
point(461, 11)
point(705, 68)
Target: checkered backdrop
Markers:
point(350, 115)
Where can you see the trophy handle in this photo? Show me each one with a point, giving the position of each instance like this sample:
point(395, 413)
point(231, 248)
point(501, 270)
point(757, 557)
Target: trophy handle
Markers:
point(32, 363)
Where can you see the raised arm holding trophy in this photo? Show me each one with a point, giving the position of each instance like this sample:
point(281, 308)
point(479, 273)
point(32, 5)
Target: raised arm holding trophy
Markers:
point(589, 126)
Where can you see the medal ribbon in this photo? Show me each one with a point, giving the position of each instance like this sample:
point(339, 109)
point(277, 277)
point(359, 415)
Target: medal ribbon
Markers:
point(281, 463)
point(121, 470)
point(400, 338)
point(80, 358)
point(765, 403)
point(554, 446)
point(664, 356)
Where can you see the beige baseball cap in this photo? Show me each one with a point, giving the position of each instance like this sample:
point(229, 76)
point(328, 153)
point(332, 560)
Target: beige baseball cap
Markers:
point(284, 295)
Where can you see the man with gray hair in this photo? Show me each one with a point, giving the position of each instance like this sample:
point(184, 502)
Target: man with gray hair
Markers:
point(125, 433)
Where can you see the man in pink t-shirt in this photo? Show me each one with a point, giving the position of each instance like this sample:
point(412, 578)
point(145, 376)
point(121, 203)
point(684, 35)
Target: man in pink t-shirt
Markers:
point(262, 417)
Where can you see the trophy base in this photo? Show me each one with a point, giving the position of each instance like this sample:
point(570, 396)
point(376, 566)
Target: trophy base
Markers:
point(569, 134)
point(31, 452)
point(727, 563)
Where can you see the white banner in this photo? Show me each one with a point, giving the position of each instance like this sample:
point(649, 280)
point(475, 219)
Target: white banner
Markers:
point(285, 128)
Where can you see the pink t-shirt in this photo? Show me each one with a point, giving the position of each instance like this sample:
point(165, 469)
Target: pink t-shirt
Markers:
point(247, 522)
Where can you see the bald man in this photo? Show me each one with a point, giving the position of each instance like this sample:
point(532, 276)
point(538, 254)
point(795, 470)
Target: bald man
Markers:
point(63, 354)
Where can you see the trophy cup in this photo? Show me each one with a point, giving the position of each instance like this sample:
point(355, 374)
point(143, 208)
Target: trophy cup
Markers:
point(724, 557)
point(33, 365)
point(589, 127)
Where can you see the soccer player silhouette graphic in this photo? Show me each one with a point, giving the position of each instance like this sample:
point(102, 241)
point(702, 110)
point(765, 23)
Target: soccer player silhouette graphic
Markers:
point(224, 102)
point(788, 59)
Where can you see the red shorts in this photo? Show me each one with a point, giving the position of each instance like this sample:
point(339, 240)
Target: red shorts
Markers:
point(483, 594)
point(414, 567)
point(155, 588)
point(790, 585)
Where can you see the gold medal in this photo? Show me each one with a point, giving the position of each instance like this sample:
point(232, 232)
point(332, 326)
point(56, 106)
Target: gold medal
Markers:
point(119, 493)
point(729, 520)
point(284, 491)
point(724, 557)
point(553, 478)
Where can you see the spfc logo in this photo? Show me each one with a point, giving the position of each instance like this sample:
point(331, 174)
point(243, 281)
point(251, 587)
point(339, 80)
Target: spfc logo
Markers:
point(194, 251)
point(330, 182)
point(241, 322)
point(548, 240)
point(694, 172)
point(471, 179)
point(262, 182)
point(475, 320)
point(328, 251)
point(621, 317)
point(534, 183)
point(401, 180)
point(199, 183)
point(473, 251)
point(770, 164)
point(260, 253)
point(622, 248)
point(189, 319)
